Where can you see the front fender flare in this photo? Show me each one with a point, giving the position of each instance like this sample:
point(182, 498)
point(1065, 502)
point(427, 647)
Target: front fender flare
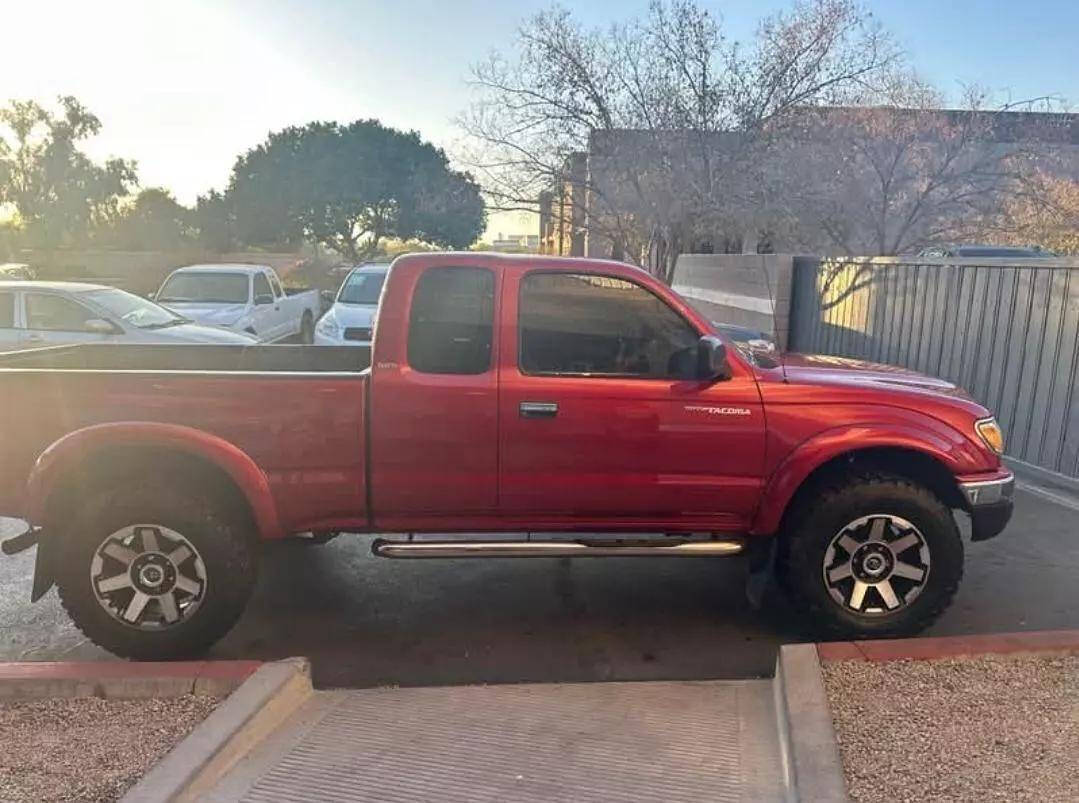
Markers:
point(947, 447)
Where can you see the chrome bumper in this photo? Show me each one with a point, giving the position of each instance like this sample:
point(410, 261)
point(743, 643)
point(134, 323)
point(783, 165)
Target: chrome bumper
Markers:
point(989, 492)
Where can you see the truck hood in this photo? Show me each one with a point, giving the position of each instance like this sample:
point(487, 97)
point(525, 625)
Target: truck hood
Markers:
point(821, 369)
point(220, 314)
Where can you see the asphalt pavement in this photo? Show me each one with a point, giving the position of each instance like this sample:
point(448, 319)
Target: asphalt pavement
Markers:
point(367, 621)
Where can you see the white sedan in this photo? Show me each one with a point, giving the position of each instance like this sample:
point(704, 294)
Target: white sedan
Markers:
point(35, 314)
point(349, 321)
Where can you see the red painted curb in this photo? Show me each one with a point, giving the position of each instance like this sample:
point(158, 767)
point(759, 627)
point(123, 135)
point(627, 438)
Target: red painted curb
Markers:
point(926, 649)
point(91, 671)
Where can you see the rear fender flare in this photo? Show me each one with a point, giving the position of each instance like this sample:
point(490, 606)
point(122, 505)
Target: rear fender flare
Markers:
point(70, 450)
point(811, 454)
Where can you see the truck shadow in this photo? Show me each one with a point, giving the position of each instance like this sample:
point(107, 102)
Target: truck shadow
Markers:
point(366, 621)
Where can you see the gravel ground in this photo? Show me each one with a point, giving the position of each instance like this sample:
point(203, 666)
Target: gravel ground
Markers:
point(87, 748)
point(992, 728)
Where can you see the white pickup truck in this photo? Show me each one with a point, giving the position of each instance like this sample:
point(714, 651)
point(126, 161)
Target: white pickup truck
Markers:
point(245, 298)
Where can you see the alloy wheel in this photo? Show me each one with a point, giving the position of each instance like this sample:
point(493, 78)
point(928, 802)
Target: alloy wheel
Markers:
point(876, 565)
point(148, 576)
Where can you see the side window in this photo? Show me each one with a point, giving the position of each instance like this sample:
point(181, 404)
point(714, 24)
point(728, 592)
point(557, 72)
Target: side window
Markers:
point(581, 324)
point(276, 286)
point(7, 310)
point(54, 313)
point(450, 325)
point(262, 286)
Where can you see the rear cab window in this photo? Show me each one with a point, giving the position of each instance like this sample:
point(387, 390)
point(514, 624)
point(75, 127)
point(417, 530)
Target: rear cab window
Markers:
point(451, 321)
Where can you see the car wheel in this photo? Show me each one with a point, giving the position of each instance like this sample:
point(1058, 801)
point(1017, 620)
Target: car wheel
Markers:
point(871, 555)
point(153, 571)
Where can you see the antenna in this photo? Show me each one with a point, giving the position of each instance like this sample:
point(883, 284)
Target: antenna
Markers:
point(772, 304)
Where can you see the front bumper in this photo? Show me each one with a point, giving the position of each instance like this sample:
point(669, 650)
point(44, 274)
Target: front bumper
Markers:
point(990, 505)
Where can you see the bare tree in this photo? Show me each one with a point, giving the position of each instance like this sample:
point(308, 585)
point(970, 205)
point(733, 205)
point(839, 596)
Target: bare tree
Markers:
point(673, 114)
point(899, 172)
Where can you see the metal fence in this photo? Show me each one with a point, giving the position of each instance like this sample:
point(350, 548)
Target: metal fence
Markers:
point(1006, 330)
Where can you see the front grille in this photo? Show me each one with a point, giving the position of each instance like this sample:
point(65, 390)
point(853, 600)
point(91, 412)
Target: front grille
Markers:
point(358, 333)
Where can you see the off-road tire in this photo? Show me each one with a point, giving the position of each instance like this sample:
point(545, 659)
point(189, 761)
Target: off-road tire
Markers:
point(825, 510)
point(220, 533)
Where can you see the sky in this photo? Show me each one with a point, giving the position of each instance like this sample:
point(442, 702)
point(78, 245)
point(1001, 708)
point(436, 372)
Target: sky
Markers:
point(185, 86)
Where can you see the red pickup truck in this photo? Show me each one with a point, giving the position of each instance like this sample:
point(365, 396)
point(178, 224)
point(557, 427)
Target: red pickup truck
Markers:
point(503, 394)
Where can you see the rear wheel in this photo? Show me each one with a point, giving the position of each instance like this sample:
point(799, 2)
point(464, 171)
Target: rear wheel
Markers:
point(155, 571)
point(871, 555)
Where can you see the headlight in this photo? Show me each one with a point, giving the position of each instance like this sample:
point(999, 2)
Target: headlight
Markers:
point(327, 326)
point(989, 431)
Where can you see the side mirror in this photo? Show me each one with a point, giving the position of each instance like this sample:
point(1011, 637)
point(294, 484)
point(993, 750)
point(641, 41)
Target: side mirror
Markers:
point(712, 364)
point(99, 326)
point(263, 299)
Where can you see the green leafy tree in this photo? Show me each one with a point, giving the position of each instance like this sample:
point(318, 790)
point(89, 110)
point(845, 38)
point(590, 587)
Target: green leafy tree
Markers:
point(59, 193)
point(213, 222)
point(351, 187)
point(154, 222)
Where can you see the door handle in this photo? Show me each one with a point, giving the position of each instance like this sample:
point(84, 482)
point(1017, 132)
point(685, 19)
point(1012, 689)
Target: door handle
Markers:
point(538, 409)
point(35, 338)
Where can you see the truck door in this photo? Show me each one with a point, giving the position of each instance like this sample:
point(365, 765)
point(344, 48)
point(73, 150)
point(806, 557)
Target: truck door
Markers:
point(434, 413)
point(603, 422)
point(286, 322)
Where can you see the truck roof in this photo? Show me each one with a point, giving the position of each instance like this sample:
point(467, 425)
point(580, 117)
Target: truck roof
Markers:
point(231, 267)
point(513, 261)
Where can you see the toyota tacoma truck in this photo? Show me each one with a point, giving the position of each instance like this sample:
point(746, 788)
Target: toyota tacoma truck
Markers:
point(581, 403)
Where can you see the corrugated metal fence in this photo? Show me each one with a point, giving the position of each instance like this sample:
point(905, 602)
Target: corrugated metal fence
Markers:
point(1006, 330)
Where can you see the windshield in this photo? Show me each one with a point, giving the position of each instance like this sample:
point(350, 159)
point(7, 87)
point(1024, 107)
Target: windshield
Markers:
point(362, 288)
point(208, 288)
point(133, 310)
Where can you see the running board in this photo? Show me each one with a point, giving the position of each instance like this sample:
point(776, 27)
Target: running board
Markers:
point(549, 549)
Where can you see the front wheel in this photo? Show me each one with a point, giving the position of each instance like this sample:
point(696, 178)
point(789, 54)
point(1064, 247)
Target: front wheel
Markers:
point(871, 555)
point(153, 572)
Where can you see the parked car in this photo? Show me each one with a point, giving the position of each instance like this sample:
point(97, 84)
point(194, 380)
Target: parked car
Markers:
point(504, 394)
point(348, 322)
point(35, 314)
point(244, 298)
point(997, 251)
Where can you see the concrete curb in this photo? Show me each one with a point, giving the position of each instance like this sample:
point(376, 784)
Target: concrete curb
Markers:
point(807, 738)
point(927, 649)
point(252, 712)
point(30, 680)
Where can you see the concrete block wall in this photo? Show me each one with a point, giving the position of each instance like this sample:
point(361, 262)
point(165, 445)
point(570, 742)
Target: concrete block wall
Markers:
point(751, 290)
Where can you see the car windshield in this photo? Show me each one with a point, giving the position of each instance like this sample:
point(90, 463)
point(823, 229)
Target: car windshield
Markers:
point(133, 310)
point(362, 288)
point(207, 288)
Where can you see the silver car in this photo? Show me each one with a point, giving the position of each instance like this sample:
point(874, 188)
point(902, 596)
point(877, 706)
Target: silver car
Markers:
point(35, 314)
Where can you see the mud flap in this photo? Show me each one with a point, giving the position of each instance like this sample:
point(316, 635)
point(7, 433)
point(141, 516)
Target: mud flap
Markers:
point(44, 577)
point(762, 564)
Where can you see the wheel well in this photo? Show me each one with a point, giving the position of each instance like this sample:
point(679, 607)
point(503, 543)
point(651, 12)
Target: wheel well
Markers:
point(910, 463)
point(102, 468)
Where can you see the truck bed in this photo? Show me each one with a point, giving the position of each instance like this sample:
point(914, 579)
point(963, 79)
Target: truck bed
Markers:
point(297, 411)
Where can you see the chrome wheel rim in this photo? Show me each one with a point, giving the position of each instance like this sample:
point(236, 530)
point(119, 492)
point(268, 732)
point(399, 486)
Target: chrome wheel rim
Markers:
point(876, 565)
point(148, 577)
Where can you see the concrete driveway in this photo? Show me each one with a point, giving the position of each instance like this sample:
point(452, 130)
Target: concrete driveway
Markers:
point(369, 621)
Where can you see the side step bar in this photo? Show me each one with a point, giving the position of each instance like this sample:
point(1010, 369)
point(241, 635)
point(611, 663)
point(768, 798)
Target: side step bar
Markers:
point(549, 549)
